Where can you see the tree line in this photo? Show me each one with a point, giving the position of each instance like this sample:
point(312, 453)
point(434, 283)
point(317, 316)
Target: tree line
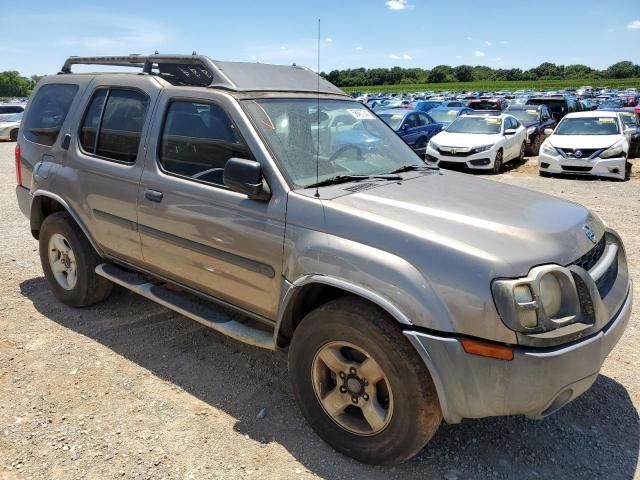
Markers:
point(12, 84)
point(466, 73)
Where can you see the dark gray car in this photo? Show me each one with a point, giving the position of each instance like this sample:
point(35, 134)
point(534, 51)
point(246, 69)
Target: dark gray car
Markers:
point(403, 294)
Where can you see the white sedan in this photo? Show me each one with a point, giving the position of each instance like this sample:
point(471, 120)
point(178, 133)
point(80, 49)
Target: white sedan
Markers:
point(483, 142)
point(587, 143)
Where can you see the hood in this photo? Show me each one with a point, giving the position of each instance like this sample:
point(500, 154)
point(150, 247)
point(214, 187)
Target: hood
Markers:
point(529, 123)
point(584, 141)
point(465, 139)
point(456, 216)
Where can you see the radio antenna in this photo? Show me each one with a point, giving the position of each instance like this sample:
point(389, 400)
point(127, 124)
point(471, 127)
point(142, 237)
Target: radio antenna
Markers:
point(318, 120)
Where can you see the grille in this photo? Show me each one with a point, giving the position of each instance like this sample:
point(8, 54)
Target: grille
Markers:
point(569, 168)
point(588, 260)
point(457, 154)
point(585, 153)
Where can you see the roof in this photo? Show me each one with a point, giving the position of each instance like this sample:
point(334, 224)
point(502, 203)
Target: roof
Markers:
point(200, 70)
point(519, 106)
point(593, 114)
point(444, 108)
point(398, 110)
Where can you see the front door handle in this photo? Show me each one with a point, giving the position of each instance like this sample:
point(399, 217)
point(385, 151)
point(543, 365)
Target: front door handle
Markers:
point(153, 195)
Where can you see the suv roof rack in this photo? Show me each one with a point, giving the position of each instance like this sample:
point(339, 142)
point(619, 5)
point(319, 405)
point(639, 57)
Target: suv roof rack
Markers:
point(200, 70)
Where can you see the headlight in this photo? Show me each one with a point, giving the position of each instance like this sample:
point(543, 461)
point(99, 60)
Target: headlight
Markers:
point(614, 151)
point(547, 149)
point(483, 148)
point(433, 145)
point(531, 131)
point(545, 300)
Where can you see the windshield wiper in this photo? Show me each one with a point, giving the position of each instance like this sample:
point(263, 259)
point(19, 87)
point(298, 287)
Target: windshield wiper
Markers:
point(411, 168)
point(352, 178)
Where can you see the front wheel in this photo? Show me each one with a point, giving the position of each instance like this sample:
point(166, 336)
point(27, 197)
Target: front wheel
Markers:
point(361, 385)
point(13, 135)
point(497, 163)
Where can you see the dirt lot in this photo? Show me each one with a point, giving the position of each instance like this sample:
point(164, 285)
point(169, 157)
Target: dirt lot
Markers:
point(128, 389)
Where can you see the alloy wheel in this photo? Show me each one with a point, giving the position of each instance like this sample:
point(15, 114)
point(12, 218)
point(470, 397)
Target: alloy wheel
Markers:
point(62, 261)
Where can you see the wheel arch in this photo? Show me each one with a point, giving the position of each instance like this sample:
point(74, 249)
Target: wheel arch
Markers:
point(45, 203)
point(312, 291)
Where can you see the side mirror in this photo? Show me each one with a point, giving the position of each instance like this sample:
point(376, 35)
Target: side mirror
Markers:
point(245, 176)
point(510, 131)
point(548, 131)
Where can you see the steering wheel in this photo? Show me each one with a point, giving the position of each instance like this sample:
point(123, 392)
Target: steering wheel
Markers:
point(341, 151)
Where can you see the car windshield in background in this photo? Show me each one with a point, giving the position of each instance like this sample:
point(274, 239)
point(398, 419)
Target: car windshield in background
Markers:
point(479, 125)
point(588, 126)
point(363, 145)
point(525, 115)
point(392, 119)
point(488, 105)
point(443, 116)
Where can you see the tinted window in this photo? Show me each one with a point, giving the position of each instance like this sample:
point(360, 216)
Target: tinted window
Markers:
point(424, 120)
point(47, 113)
point(10, 109)
point(411, 121)
point(91, 120)
point(197, 141)
point(122, 121)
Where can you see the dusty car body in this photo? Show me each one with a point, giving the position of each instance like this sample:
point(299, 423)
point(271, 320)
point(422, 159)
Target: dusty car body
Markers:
point(403, 293)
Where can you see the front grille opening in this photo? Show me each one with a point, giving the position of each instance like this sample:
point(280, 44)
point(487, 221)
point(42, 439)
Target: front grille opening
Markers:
point(570, 168)
point(586, 304)
point(589, 260)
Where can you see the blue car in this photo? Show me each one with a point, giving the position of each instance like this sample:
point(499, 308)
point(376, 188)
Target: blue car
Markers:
point(446, 115)
point(425, 105)
point(415, 127)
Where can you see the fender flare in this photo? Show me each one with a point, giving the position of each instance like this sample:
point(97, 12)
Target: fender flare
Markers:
point(291, 290)
point(68, 209)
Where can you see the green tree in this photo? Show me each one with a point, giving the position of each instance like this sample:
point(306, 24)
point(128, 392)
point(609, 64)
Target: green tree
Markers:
point(463, 73)
point(439, 74)
point(624, 69)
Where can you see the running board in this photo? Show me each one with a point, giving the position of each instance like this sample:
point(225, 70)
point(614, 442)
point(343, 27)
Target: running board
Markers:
point(188, 305)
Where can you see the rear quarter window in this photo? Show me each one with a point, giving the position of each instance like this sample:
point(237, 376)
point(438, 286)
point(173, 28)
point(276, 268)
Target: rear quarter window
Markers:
point(48, 112)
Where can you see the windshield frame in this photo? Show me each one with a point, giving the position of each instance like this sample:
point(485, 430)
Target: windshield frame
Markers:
point(276, 161)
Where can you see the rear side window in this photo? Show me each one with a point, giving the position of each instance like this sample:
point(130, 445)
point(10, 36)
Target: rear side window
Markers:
point(47, 113)
point(197, 140)
point(113, 123)
point(5, 109)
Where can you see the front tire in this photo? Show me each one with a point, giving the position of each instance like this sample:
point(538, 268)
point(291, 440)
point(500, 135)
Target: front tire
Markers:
point(13, 135)
point(69, 262)
point(361, 385)
point(497, 162)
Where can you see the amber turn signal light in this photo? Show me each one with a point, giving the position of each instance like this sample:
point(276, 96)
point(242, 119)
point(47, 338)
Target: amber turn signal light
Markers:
point(486, 349)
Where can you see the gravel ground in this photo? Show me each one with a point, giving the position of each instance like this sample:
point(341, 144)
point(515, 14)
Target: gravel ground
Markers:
point(128, 389)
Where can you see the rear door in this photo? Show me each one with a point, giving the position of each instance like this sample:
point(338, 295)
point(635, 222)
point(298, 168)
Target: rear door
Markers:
point(196, 231)
point(102, 171)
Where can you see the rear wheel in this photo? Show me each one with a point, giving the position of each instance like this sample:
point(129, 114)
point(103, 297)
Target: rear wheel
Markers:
point(361, 385)
point(497, 163)
point(13, 135)
point(69, 262)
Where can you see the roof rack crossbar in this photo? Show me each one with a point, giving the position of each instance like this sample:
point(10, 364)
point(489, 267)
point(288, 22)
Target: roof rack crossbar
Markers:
point(123, 61)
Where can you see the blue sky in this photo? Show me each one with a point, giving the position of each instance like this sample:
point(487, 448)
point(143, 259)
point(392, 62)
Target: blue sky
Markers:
point(372, 33)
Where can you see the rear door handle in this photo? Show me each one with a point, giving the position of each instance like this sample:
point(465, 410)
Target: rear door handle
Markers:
point(153, 195)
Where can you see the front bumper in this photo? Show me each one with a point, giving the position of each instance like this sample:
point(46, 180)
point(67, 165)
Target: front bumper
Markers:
point(536, 383)
point(597, 167)
point(481, 161)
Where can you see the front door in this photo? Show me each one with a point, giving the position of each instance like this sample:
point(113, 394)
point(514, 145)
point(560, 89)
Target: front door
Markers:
point(193, 229)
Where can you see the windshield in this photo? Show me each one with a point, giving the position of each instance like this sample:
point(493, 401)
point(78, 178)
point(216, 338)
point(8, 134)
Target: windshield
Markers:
point(484, 105)
point(588, 126)
point(525, 115)
point(365, 146)
point(482, 125)
point(392, 119)
point(444, 116)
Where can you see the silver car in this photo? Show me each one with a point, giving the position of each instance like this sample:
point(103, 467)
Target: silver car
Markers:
point(9, 126)
point(402, 294)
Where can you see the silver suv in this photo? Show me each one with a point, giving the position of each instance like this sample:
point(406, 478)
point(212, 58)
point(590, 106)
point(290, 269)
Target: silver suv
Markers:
point(402, 293)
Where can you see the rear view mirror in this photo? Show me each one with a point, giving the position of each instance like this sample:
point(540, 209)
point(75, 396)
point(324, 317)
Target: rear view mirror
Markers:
point(548, 131)
point(245, 176)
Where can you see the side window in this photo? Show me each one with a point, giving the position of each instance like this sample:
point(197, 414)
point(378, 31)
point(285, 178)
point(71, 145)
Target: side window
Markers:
point(113, 123)
point(515, 123)
point(411, 121)
point(508, 123)
point(197, 140)
point(47, 113)
point(424, 120)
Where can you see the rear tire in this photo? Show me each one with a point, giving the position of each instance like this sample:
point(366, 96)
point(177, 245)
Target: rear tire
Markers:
point(13, 135)
point(406, 411)
point(69, 262)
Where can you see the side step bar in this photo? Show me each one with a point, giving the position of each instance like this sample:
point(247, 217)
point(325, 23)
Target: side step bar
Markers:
point(188, 305)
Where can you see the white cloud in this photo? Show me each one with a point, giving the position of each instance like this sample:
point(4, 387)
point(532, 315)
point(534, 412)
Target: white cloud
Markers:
point(488, 43)
point(504, 42)
point(359, 48)
point(478, 53)
point(282, 47)
point(635, 25)
point(498, 59)
point(470, 38)
point(397, 4)
point(406, 57)
point(393, 56)
point(329, 40)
